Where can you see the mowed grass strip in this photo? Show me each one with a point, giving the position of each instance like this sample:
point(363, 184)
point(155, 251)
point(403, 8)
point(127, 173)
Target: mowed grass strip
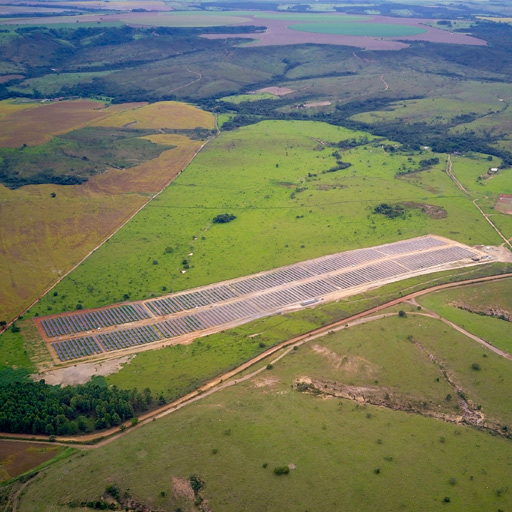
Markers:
point(383, 459)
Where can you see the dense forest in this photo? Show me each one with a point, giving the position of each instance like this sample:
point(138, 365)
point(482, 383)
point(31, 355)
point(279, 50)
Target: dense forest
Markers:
point(38, 408)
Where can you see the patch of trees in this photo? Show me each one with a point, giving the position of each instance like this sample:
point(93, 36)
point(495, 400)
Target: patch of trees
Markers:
point(14, 181)
point(38, 408)
point(224, 218)
point(338, 167)
point(390, 211)
point(427, 163)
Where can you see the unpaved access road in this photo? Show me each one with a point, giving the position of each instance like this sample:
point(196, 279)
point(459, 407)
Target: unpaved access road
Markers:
point(220, 382)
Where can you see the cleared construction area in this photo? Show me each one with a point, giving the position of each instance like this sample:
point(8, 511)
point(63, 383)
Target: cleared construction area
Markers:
point(182, 317)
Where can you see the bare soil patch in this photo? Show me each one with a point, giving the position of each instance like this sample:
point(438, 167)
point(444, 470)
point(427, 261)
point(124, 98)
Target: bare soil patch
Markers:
point(432, 211)
point(504, 204)
point(182, 489)
point(317, 104)
point(278, 33)
point(82, 372)
point(278, 91)
point(8, 78)
point(266, 382)
point(18, 457)
point(352, 365)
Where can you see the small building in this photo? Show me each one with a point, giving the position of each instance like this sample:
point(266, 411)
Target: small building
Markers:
point(493, 170)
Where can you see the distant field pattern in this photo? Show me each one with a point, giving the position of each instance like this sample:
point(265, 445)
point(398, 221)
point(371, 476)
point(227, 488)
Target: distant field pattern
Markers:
point(359, 29)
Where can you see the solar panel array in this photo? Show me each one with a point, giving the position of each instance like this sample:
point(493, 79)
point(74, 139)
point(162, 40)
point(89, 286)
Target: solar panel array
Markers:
point(191, 300)
point(367, 274)
point(338, 261)
point(270, 280)
point(74, 349)
point(417, 244)
point(80, 322)
point(264, 293)
point(433, 258)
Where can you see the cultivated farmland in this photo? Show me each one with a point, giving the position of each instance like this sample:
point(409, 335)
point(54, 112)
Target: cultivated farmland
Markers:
point(71, 220)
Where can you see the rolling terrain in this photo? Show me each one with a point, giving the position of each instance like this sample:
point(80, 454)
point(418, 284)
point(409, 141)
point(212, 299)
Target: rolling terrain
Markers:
point(304, 135)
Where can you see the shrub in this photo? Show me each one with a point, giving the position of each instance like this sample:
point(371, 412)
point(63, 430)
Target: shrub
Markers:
point(224, 218)
point(281, 470)
point(476, 367)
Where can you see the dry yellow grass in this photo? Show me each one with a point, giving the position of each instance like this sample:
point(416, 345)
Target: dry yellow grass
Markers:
point(8, 107)
point(42, 237)
point(498, 20)
point(37, 123)
point(164, 114)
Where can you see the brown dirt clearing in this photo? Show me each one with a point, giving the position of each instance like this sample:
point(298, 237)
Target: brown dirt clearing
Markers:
point(17, 457)
point(82, 372)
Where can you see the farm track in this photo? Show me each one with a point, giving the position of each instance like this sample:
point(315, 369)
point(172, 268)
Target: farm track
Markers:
point(221, 382)
point(449, 171)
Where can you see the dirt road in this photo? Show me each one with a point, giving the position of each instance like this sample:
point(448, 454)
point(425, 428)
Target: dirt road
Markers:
point(220, 382)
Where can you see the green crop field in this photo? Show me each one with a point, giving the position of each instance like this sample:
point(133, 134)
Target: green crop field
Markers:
point(359, 29)
point(240, 98)
point(382, 459)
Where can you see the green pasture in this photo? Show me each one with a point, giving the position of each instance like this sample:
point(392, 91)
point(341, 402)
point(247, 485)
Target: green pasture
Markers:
point(428, 110)
point(272, 177)
point(240, 98)
point(472, 172)
point(358, 29)
point(479, 298)
point(345, 455)
point(52, 84)
point(176, 370)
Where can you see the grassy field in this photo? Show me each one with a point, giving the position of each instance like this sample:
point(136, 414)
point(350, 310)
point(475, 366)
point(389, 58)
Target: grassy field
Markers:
point(240, 98)
point(57, 225)
point(479, 301)
point(272, 177)
point(428, 110)
point(359, 29)
point(383, 459)
point(50, 85)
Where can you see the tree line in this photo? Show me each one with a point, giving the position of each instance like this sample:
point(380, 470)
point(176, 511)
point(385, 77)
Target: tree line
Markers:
point(38, 408)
